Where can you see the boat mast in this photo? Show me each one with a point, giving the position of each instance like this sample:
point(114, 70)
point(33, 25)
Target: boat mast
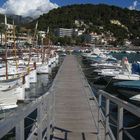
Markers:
point(43, 50)
point(6, 74)
point(48, 42)
point(33, 44)
point(15, 51)
point(35, 31)
point(28, 69)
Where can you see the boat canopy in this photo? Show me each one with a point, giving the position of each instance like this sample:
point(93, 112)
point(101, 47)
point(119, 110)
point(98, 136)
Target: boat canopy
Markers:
point(128, 84)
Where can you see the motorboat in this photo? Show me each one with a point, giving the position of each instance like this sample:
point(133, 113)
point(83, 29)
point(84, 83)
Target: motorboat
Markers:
point(128, 89)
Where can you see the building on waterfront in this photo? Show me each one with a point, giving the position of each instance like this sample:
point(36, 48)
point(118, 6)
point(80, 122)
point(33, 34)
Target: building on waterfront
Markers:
point(20, 38)
point(23, 38)
point(9, 35)
point(92, 38)
point(78, 32)
point(61, 32)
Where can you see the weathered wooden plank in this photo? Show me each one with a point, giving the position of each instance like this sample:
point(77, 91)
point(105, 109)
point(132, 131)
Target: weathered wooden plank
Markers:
point(72, 106)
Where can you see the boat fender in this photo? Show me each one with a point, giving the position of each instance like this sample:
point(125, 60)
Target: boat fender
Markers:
point(34, 65)
point(23, 79)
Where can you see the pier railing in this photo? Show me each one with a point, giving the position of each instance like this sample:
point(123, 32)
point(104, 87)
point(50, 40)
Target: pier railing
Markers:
point(36, 130)
point(40, 113)
point(105, 117)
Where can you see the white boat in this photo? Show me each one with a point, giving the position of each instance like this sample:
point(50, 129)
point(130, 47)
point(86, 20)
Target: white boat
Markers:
point(126, 76)
point(33, 76)
point(6, 85)
point(108, 72)
point(106, 65)
point(47, 67)
point(11, 91)
point(117, 75)
point(9, 98)
point(12, 70)
point(43, 68)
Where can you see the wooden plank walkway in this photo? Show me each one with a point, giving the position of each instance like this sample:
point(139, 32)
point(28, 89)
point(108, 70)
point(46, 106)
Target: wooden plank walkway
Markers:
point(73, 112)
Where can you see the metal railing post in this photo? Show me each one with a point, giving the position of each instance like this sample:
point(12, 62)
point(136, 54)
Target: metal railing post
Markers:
point(99, 112)
point(120, 123)
point(50, 115)
point(107, 120)
point(20, 130)
point(39, 122)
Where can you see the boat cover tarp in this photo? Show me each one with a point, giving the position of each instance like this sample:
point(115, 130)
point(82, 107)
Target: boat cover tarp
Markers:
point(136, 68)
point(128, 84)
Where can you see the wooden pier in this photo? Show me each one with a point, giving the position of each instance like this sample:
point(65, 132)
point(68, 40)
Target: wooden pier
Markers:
point(68, 111)
point(75, 115)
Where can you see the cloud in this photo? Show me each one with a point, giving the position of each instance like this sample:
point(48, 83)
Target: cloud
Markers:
point(135, 4)
point(33, 8)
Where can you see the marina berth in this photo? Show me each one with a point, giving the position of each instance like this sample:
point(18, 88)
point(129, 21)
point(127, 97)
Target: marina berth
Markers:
point(70, 88)
point(112, 71)
point(116, 76)
point(69, 70)
point(18, 71)
point(21, 75)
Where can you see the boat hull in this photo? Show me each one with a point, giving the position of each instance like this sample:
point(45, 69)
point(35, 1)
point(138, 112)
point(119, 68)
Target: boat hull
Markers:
point(33, 76)
point(128, 93)
point(9, 98)
point(43, 69)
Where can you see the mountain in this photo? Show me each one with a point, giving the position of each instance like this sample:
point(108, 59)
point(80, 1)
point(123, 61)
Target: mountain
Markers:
point(20, 19)
point(17, 19)
point(122, 23)
point(2, 19)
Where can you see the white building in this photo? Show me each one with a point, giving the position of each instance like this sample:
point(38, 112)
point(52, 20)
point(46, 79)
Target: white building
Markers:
point(78, 32)
point(61, 32)
point(20, 38)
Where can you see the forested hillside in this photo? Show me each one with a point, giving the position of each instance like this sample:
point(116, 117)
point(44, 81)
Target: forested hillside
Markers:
point(93, 16)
